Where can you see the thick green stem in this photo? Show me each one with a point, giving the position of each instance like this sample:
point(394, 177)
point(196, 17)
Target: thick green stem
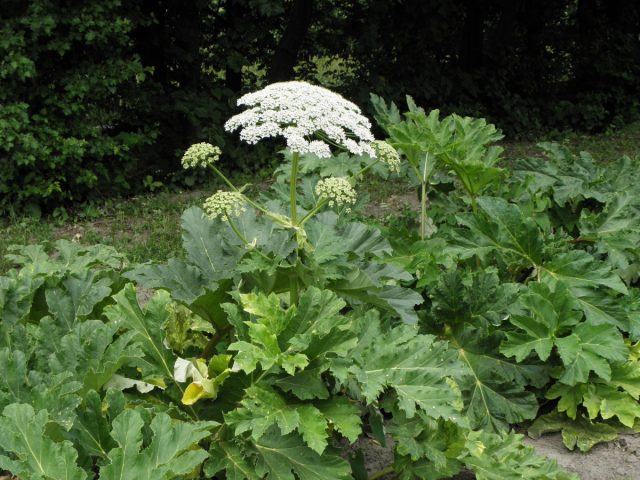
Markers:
point(423, 211)
point(255, 205)
point(293, 289)
point(243, 239)
point(295, 156)
point(423, 198)
point(321, 203)
point(313, 211)
point(293, 279)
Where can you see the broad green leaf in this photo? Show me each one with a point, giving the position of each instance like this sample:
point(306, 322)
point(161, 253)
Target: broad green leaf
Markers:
point(306, 385)
point(183, 281)
point(344, 415)
point(478, 299)
point(262, 408)
point(77, 296)
point(228, 456)
point(580, 432)
point(206, 247)
point(416, 367)
point(551, 313)
point(494, 387)
point(619, 217)
point(607, 401)
point(92, 353)
point(288, 458)
point(505, 457)
point(69, 257)
point(91, 427)
point(627, 377)
point(384, 115)
point(358, 288)
point(16, 296)
point(569, 397)
point(172, 452)
point(35, 455)
point(502, 227)
point(590, 348)
point(147, 325)
point(426, 448)
point(55, 392)
point(581, 271)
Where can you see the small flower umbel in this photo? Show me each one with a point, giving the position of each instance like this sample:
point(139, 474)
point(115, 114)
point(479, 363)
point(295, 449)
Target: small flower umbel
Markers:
point(225, 205)
point(387, 155)
point(311, 120)
point(337, 191)
point(201, 155)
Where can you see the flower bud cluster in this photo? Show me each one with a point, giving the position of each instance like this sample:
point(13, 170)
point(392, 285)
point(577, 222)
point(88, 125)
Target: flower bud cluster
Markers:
point(337, 190)
point(224, 205)
point(387, 154)
point(310, 118)
point(200, 155)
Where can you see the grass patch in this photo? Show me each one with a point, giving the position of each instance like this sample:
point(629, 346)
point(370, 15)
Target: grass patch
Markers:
point(604, 147)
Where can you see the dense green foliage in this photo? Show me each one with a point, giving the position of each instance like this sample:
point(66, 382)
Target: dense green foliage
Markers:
point(68, 106)
point(540, 292)
point(98, 98)
point(288, 331)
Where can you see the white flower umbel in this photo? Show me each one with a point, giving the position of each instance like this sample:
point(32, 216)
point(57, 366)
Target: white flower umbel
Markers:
point(200, 155)
point(224, 205)
point(337, 190)
point(310, 119)
point(388, 155)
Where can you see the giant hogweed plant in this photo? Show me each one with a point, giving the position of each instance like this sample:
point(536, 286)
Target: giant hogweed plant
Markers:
point(282, 336)
point(534, 286)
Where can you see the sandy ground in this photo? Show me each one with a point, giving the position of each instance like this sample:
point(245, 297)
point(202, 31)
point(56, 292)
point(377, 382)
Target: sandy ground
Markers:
point(617, 460)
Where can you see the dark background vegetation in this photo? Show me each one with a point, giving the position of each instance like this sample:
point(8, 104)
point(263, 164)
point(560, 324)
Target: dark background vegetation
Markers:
point(96, 95)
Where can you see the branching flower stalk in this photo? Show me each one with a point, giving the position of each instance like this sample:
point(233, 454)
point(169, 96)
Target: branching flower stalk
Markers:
point(424, 180)
point(312, 120)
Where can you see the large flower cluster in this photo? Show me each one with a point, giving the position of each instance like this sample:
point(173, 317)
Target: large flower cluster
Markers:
point(387, 154)
point(308, 117)
point(337, 190)
point(224, 205)
point(200, 155)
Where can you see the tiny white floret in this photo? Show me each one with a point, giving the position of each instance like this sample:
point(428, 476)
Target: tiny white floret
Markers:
point(310, 118)
point(337, 190)
point(200, 155)
point(388, 155)
point(224, 205)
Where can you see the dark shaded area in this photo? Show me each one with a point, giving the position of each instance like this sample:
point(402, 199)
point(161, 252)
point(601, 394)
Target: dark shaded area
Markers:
point(97, 95)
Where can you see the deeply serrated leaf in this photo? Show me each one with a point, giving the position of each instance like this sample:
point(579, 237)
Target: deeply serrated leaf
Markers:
point(581, 432)
point(590, 348)
point(22, 433)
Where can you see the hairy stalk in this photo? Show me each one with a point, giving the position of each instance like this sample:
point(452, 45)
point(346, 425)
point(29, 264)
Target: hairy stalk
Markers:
point(423, 211)
point(295, 157)
point(423, 199)
point(323, 202)
point(293, 279)
point(242, 238)
point(255, 205)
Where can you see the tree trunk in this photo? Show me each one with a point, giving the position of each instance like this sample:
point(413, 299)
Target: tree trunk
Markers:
point(286, 53)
